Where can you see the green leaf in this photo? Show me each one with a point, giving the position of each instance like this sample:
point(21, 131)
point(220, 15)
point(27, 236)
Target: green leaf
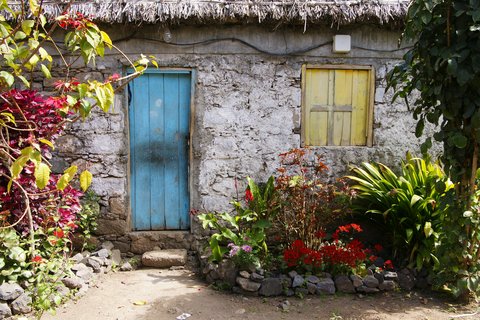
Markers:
point(7, 77)
point(20, 35)
point(452, 67)
point(106, 39)
point(24, 81)
point(427, 229)
point(85, 180)
point(45, 71)
point(27, 26)
point(17, 166)
point(34, 7)
point(47, 142)
point(459, 140)
point(42, 175)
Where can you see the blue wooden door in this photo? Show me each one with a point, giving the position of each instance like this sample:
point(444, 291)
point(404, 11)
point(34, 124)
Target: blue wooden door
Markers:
point(159, 119)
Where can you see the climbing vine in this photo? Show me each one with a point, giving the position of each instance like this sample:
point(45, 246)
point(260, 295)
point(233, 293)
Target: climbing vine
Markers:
point(440, 79)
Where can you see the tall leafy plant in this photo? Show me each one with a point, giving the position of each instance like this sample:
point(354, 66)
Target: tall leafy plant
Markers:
point(440, 75)
point(246, 227)
point(407, 205)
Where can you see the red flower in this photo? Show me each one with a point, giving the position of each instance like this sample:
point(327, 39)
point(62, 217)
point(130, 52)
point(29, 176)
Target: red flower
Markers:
point(59, 233)
point(378, 247)
point(37, 259)
point(372, 258)
point(388, 265)
point(113, 77)
point(356, 227)
point(248, 195)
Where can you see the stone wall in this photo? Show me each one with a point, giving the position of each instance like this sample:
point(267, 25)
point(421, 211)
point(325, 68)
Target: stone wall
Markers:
point(247, 106)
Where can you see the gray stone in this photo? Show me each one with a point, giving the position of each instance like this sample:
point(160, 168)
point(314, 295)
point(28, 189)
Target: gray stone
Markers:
point(390, 275)
point(292, 274)
point(10, 291)
point(107, 245)
point(313, 279)
point(298, 281)
point(82, 291)
point(366, 289)
point(77, 258)
point(95, 265)
point(343, 284)
point(387, 285)
point(260, 271)
point(116, 257)
point(239, 290)
point(271, 287)
point(126, 267)
point(102, 253)
point(85, 274)
point(311, 287)
point(371, 282)
point(73, 282)
point(289, 292)
point(62, 290)
point(301, 292)
point(78, 267)
point(256, 277)
point(284, 305)
point(325, 286)
point(244, 274)
point(286, 281)
point(248, 285)
point(22, 305)
point(379, 277)
point(5, 311)
point(227, 271)
point(406, 279)
point(356, 280)
point(164, 258)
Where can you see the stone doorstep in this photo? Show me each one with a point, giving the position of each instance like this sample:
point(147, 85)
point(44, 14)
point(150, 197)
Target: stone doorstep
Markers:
point(164, 258)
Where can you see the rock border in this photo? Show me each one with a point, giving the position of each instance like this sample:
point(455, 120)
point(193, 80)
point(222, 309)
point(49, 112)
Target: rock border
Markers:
point(256, 282)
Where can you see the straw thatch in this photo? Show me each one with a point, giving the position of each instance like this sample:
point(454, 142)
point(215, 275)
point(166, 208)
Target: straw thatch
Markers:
point(334, 12)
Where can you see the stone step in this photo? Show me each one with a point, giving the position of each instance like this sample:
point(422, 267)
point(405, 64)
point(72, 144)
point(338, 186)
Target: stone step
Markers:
point(164, 258)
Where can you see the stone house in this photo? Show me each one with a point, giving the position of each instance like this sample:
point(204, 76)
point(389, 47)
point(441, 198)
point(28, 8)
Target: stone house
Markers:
point(239, 82)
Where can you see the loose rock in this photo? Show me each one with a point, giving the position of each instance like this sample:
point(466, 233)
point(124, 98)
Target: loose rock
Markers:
point(387, 285)
point(343, 284)
point(5, 311)
point(356, 280)
point(371, 282)
point(22, 304)
point(325, 286)
point(126, 267)
point(10, 291)
point(245, 274)
point(256, 277)
point(271, 287)
point(73, 282)
point(313, 279)
point(297, 281)
point(248, 285)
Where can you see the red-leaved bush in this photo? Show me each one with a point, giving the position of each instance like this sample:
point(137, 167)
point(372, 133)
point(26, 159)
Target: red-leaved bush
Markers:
point(37, 119)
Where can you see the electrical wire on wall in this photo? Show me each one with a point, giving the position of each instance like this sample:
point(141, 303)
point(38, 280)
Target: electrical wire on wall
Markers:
point(252, 46)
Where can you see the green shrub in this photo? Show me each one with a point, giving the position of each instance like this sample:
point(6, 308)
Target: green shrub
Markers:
point(407, 206)
point(243, 233)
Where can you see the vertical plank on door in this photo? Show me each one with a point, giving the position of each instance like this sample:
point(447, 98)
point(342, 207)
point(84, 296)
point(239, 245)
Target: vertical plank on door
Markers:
point(141, 154)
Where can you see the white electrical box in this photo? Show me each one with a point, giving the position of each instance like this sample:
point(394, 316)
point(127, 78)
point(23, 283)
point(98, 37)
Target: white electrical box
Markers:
point(341, 43)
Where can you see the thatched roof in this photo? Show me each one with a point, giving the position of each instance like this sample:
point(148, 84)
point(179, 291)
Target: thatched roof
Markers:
point(333, 12)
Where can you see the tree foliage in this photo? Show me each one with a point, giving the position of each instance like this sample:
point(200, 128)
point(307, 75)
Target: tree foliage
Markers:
point(440, 74)
point(39, 210)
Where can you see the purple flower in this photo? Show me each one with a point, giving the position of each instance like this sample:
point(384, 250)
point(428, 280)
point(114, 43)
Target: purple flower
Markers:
point(234, 249)
point(246, 248)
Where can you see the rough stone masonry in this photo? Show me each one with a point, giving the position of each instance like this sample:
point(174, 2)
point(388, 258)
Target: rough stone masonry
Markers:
point(247, 110)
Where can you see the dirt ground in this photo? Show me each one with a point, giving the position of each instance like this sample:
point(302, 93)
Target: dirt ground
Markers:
point(153, 294)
